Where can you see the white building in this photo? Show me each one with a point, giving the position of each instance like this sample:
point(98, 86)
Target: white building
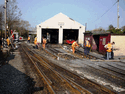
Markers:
point(59, 28)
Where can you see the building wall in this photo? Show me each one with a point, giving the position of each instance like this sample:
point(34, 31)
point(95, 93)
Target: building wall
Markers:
point(81, 35)
point(66, 23)
point(60, 38)
point(103, 40)
point(119, 44)
point(39, 34)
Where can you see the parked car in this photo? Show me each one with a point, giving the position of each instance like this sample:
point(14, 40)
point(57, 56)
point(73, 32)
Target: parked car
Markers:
point(70, 41)
point(20, 38)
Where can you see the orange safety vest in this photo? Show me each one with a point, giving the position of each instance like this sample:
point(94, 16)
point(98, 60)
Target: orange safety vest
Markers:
point(8, 41)
point(109, 47)
point(44, 41)
point(35, 41)
point(74, 44)
point(28, 38)
point(87, 43)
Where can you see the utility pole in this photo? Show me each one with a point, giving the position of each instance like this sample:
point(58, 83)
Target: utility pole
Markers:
point(118, 14)
point(5, 15)
point(85, 26)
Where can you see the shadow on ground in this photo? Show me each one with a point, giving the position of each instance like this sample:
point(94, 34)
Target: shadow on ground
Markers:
point(13, 81)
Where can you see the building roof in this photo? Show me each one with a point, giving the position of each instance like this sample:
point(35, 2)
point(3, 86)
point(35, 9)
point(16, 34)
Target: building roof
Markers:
point(98, 33)
point(61, 20)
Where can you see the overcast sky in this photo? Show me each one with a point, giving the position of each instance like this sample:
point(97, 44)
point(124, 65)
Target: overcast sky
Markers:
point(82, 11)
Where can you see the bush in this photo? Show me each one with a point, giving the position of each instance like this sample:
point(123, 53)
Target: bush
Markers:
point(116, 31)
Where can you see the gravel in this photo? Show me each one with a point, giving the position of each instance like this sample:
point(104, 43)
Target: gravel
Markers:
point(13, 79)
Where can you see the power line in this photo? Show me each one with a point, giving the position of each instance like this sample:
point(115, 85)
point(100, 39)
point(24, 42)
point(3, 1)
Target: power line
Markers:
point(106, 11)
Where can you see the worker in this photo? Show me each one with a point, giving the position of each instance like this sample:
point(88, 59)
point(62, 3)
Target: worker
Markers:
point(74, 44)
point(8, 41)
point(87, 47)
point(109, 49)
point(28, 39)
point(44, 42)
point(35, 42)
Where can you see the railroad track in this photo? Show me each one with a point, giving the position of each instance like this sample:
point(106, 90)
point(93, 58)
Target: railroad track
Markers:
point(81, 54)
point(57, 83)
point(111, 73)
point(117, 72)
point(59, 79)
point(58, 53)
point(68, 54)
point(106, 73)
point(112, 70)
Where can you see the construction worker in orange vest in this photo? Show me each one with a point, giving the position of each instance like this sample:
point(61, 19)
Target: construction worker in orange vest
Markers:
point(35, 42)
point(87, 47)
point(74, 44)
point(8, 41)
point(109, 49)
point(28, 39)
point(44, 42)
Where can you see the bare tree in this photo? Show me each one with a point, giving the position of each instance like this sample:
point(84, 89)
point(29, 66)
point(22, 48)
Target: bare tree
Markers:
point(23, 26)
point(1, 16)
point(13, 18)
point(33, 28)
point(13, 14)
point(100, 29)
point(0, 20)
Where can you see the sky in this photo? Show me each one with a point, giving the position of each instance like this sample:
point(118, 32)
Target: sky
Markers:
point(82, 11)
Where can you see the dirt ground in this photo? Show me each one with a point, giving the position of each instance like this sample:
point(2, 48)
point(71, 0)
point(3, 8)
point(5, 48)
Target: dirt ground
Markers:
point(17, 76)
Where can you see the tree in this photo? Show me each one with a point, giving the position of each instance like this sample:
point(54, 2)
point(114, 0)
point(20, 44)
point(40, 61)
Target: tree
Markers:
point(100, 29)
point(88, 31)
point(0, 20)
point(111, 27)
point(13, 14)
point(13, 18)
point(123, 29)
point(1, 17)
point(115, 30)
point(23, 27)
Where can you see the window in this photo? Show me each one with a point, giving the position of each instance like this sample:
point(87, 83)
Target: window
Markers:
point(104, 41)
